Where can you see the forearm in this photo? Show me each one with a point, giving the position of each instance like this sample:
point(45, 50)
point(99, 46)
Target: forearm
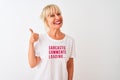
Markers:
point(70, 68)
point(33, 60)
point(31, 55)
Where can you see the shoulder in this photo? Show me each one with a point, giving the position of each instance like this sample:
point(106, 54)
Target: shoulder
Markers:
point(41, 38)
point(69, 37)
point(42, 35)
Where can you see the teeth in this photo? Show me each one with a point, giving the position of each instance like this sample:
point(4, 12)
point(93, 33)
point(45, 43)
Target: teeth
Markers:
point(57, 22)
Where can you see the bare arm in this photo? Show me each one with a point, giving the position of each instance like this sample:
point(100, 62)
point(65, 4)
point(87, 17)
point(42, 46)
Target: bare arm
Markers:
point(33, 60)
point(70, 68)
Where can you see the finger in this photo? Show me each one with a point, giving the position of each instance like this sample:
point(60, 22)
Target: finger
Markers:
point(31, 30)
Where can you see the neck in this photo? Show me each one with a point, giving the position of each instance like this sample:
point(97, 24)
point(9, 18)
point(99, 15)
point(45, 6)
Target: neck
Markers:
point(56, 34)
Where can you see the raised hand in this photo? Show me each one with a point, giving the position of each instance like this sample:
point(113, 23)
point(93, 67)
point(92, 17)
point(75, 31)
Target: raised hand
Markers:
point(34, 36)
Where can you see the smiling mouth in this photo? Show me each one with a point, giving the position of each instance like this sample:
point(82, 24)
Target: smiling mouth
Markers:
point(58, 22)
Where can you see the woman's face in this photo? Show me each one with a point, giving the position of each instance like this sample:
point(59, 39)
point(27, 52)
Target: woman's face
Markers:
point(54, 21)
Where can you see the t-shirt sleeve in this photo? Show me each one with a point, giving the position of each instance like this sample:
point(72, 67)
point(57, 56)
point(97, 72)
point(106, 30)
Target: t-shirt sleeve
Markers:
point(73, 52)
point(37, 50)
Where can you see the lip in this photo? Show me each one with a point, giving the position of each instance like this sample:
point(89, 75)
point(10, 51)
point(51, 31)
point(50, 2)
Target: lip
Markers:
point(58, 22)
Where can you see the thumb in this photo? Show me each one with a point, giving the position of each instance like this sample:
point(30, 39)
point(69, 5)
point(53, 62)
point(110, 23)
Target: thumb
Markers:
point(31, 30)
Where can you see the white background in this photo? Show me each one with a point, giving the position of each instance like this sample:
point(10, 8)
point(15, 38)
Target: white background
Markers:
point(94, 24)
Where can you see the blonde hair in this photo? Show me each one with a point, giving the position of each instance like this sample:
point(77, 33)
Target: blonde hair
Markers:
point(47, 11)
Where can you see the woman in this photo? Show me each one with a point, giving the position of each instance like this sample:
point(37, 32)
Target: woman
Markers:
point(53, 51)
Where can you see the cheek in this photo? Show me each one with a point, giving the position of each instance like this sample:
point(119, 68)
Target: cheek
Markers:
point(49, 21)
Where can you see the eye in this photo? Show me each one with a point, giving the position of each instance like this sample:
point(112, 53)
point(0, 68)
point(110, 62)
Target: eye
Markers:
point(58, 14)
point(52, 15)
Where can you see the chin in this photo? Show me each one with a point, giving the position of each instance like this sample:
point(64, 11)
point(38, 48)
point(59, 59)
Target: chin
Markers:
point(58, 27)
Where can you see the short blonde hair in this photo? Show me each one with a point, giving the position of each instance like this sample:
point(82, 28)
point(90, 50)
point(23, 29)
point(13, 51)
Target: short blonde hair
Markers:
point(47, 11)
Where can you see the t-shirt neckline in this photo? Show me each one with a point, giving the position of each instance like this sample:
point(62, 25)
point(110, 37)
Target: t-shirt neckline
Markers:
point(56, 39)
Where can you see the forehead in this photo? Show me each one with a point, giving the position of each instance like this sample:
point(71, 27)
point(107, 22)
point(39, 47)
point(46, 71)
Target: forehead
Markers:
point(52, 10)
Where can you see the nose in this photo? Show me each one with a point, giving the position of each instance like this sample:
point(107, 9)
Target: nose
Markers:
point(57, 17)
